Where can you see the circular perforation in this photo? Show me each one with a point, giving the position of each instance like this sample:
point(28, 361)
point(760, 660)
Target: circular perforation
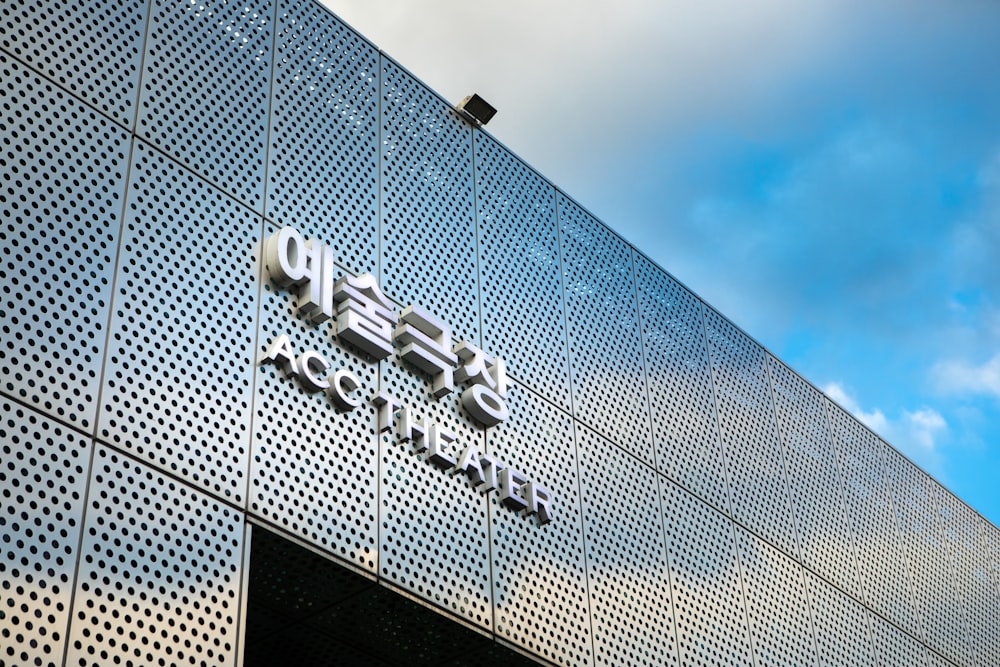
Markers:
point(776, 602)
point(433, 535)
point(893, 647)
point(914, 495)
point(980, 600)
point(758, 487)
point(606, 366)
point(205, 89)
point(159, 578)
point(323, 163)
point(627, 562)
point(539, 572)
point(43, 476)
point(841, 624)
point(824, 533)
point(705, 576)
point(523, 315)
point(685, 432)
point(936, 660)
point(881, 563)
point(314, 470)
point(92, 48)
point(427, 206)
point(177, 382)
point(63, 180)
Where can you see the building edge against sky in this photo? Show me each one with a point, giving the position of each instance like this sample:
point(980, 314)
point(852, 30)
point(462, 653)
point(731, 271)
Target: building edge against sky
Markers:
point(151, 148)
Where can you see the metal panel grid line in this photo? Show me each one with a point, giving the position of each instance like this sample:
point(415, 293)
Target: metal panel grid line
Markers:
point(752, 449)
point(882, 564)
point(627, 567)
point(991, 540)
point(685, 430)
point(178, 335)
point(64, 179)
point(44, 468)
point(427, 209)
point(893, 647)
point(313, 469)
point(843, 637)
point(776, 603)
point(936, 660)
point(977, 596)
point(92, 48)
point(320, 65)
point(824, 531)
point(118, 254)
point(540, 591)
point(915, 501)
point(520, 271)
point(707, 587)
point(160, 571)
point(433, 527)
point(605, 347)
point(205, 90)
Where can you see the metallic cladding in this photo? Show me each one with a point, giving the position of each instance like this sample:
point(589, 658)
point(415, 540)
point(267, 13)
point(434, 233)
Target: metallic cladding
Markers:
point(713, 508)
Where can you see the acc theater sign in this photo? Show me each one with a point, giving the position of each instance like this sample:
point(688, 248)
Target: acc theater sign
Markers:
point(365, 318)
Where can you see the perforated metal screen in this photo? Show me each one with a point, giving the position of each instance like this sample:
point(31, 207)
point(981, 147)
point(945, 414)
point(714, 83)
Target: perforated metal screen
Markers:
point(708, 505)
point(754, 460)
point(916, 499)
point(882, 566)
point(606, 365)
point(824, 536)
point(64, 172)
point(685, 430)
point(43, 479)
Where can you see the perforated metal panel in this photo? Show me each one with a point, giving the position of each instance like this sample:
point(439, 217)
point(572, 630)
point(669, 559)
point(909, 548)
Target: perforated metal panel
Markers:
point(205, 89)
point(523, 316)
point(709, 608)
point(43, 478)
point(991, 538)
point(314, 470)
point(180, 362)
point(758, 488)
point(965, 537)
point(540, 572)
point(63, 172)
point(433, 532)
point(685, 431)
point(776, 603)
point(881, 563)
point(630, 601)
point(914, 497)
point(159, 577)
point(935, 660)
point(323, 157)
point(606, 366)
point(91, 48)
point(893, 647)
point(824, 533)
point(428, 253)
point(647, 415)
point(841, 625)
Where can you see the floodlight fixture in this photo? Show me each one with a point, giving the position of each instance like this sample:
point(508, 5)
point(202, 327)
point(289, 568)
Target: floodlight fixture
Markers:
point(476, 110)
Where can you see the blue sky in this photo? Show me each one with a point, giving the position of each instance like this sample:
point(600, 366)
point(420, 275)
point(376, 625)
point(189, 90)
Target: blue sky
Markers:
point(827, 174)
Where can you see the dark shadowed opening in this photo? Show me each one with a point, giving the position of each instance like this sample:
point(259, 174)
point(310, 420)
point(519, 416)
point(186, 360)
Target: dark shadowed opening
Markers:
point(303, 609)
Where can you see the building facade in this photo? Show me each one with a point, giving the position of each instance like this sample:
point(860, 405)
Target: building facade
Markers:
point(263, 287)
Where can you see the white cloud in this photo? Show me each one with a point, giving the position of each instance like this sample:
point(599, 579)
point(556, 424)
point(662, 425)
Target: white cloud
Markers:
point(917, 434)
point(568, 76)
point(960, 377)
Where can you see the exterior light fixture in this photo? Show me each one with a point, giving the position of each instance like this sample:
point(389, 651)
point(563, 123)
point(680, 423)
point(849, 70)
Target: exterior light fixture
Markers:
point(476, 110)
